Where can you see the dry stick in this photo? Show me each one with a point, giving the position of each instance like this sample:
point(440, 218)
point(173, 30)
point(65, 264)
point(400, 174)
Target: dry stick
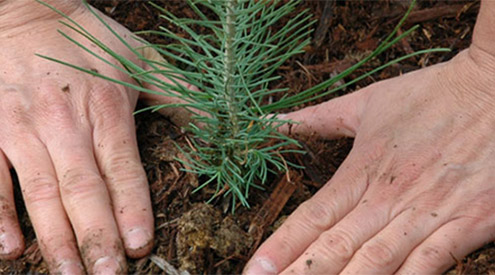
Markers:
point(424, 15)
point(324, 24)
point(166, 266)
point(323, 27)
point(442, 11)
point(271, 208)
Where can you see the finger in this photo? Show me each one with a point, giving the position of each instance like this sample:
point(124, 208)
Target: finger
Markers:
point(386, 251)
point(310, 219)
point(39, 186)
point(86, 201)
point(377, 235)
point(178, 115)
point(334, 248)
point(118, 158)
point(446, 245)
point(335, 118)
point(11, 239)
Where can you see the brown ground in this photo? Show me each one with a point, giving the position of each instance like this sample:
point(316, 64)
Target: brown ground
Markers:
point(202, 238)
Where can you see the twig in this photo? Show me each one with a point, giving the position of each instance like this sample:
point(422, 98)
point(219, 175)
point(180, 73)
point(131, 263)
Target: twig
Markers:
point(424, 15)
point(324, 24)
point(271, 209)
point(165, 224)
point(167, 267)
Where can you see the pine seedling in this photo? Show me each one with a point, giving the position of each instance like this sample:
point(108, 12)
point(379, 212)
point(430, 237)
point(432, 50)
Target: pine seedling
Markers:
point(238, 144)
point(232, 64)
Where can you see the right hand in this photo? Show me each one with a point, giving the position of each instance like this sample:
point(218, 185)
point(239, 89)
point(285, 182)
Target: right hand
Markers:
point(418, 180)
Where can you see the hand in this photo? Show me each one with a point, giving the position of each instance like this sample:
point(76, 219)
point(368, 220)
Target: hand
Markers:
point(71, 139)
point(416, 190)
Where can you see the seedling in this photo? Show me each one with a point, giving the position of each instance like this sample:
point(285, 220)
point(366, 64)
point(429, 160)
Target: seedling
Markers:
point(237, 145)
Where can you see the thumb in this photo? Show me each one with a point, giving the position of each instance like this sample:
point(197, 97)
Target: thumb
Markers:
point(335, 118)
point(178, 115)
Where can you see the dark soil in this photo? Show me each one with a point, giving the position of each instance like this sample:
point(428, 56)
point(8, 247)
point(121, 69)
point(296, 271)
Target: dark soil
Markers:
point(207, 238)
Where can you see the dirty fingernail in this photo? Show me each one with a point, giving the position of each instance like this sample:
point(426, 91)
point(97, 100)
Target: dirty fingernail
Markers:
point(107, 265)
point(71, 267)
point(137, 238)
point(260, 266)
point(8, 244)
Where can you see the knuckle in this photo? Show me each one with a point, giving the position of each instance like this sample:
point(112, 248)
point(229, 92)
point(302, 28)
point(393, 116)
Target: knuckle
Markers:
point(480, 208)
point(374, 152)
point(124, 173)
point(430, 257)
point(283, 238)
point(287, 244)
point(379, 254)
point(79, 184)
point(124, 161)
point(53, 105)
point(110, 100)
point(40, 188)
point(317, 214)
point(338, 246)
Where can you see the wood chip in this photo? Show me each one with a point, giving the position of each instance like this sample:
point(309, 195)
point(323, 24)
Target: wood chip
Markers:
point(272, 207)
point(166, 266)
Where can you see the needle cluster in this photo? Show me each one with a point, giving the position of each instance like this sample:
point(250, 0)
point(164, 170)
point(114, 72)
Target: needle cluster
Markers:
point(238, 144)
point(232, 63)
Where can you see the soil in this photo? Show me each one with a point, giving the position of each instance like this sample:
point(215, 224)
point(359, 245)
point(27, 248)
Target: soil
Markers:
point(207, 238)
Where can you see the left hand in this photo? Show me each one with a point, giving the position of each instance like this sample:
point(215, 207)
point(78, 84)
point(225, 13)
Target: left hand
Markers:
point(71, 139)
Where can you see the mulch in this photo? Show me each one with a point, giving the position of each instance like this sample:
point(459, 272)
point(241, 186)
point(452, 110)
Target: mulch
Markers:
point(207, 238)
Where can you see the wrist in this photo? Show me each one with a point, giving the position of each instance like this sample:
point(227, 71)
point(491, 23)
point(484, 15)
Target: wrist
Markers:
point(470, 78)
point(484, 30)
point(15, 13)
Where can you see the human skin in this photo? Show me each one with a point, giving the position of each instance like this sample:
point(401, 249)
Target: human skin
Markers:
point(71, 139)
point(444, 115)
point(417, 189)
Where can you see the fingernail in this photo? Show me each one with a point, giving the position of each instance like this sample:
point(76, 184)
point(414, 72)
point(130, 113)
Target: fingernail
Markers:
point(71, 267)
point(260, 266)
point(137, 238)
point(107, 265)
point(8, 243)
